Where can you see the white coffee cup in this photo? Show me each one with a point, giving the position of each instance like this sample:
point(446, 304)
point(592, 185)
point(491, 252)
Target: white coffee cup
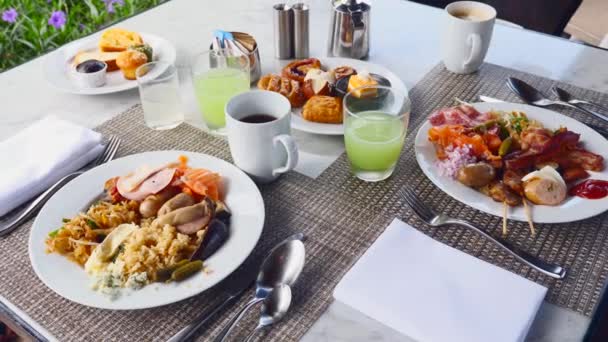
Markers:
point(467, 35)
point(263, 150)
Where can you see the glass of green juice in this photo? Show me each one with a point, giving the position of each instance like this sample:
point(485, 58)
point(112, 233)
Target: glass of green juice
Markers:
point(375, 125)
point(218, 75)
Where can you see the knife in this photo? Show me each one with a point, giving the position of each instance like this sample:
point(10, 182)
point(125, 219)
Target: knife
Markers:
point(234, 286)
point(599, 129)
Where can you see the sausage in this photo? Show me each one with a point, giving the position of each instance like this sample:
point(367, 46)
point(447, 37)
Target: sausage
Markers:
point(178, 201)
point(150, 205)
point(189, 220)
point(476, 175)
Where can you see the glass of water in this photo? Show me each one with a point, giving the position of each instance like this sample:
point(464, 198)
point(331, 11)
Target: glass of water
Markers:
point(375, 124)
point(159, 92)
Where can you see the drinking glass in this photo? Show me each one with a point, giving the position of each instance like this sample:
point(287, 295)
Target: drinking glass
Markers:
point(375, 125)
point(159, 92)
point(218, 75)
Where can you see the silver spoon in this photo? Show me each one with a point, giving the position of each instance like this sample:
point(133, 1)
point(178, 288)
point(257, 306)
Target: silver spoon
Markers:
point(565, 96)
point(274, 308)
point(533, 96)
point(282, 267)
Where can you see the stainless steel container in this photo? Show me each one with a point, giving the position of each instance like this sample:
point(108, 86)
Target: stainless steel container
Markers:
point(349, 29)
point(300, 30)
point(283, 31)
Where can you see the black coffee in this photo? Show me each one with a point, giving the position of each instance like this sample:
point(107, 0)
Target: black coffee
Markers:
point(258, 118)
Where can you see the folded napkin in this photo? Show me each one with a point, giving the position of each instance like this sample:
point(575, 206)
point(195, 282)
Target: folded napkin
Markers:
point(37, 157)
point(432, 292)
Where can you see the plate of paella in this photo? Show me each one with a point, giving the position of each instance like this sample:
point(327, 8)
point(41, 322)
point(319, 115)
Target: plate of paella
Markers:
point(146, 230)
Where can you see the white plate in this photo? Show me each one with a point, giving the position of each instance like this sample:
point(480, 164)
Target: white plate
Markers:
point(300, 124)
point(70, 280)
point(58, 63)
point(573, 209)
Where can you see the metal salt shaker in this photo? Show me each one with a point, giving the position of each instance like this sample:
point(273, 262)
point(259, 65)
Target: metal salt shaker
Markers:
point(349, 29)
point(283, 31)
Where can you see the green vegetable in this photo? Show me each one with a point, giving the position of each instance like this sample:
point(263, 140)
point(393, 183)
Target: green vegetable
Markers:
point(65, 220)
point(519, 123)
point(145, 48)
point(164, 274)
point(505, 146)
point(92, 224)
point(483, 127)
point(54, 232)
point(187, 270)
point(121, 248)
point(503, 132)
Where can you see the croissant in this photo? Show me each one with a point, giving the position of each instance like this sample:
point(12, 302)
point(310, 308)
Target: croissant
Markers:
point(289, 88)
point(297, 70)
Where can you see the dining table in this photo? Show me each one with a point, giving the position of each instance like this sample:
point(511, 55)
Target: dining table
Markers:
point(405, 38)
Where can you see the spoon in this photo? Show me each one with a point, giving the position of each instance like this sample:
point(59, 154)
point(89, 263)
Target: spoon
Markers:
point(533, 96)
point(274, 308)
point(565, 96)
point(282, 267)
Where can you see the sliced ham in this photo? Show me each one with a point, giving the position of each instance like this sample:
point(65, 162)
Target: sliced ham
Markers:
point(132, 180)
point(460, 115)
point(151, 185)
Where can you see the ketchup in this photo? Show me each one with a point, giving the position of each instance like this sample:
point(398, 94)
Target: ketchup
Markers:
point(591, 189)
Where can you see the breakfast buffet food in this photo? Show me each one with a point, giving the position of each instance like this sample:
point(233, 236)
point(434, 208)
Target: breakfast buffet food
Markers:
point(509, 157)
point(306, 83)
point(128, 61)
point(321, 108)
point(117, 39)
point(119, 49)
point(155, 224)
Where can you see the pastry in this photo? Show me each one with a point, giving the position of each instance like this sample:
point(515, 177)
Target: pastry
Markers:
point(117, 39)
point(128, 61)
point(289, 88)
point(344, 71)
point(297, 70)
point(318, 82)
point(359, 80)
point(107, 57)
point(325, 109)
point(145, 48)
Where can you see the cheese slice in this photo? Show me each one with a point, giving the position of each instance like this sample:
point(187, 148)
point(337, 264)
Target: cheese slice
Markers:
point(103, 253)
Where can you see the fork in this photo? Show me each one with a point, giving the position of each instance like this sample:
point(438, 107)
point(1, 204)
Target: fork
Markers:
point(426, 214)
point(108, 154)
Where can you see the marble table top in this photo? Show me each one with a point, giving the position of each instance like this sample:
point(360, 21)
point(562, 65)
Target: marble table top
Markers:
point(405, 37)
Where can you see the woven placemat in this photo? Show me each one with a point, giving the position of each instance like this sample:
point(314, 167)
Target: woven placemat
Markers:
point(581, 247)
point(290, 208)
point(341, 215)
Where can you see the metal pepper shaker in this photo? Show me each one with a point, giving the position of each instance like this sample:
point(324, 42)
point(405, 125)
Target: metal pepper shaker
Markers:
point(300, 30)
point(283, 31)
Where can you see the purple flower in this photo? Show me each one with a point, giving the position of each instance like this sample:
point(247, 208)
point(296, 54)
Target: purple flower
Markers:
point(57, 19)
point(10, 15)
point(110, 4)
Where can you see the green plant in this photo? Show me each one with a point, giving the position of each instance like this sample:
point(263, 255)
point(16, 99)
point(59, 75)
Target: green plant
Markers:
point(30, 28)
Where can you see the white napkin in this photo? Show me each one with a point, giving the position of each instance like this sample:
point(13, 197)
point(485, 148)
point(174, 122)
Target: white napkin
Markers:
point(432, 292)
point(37, 157)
